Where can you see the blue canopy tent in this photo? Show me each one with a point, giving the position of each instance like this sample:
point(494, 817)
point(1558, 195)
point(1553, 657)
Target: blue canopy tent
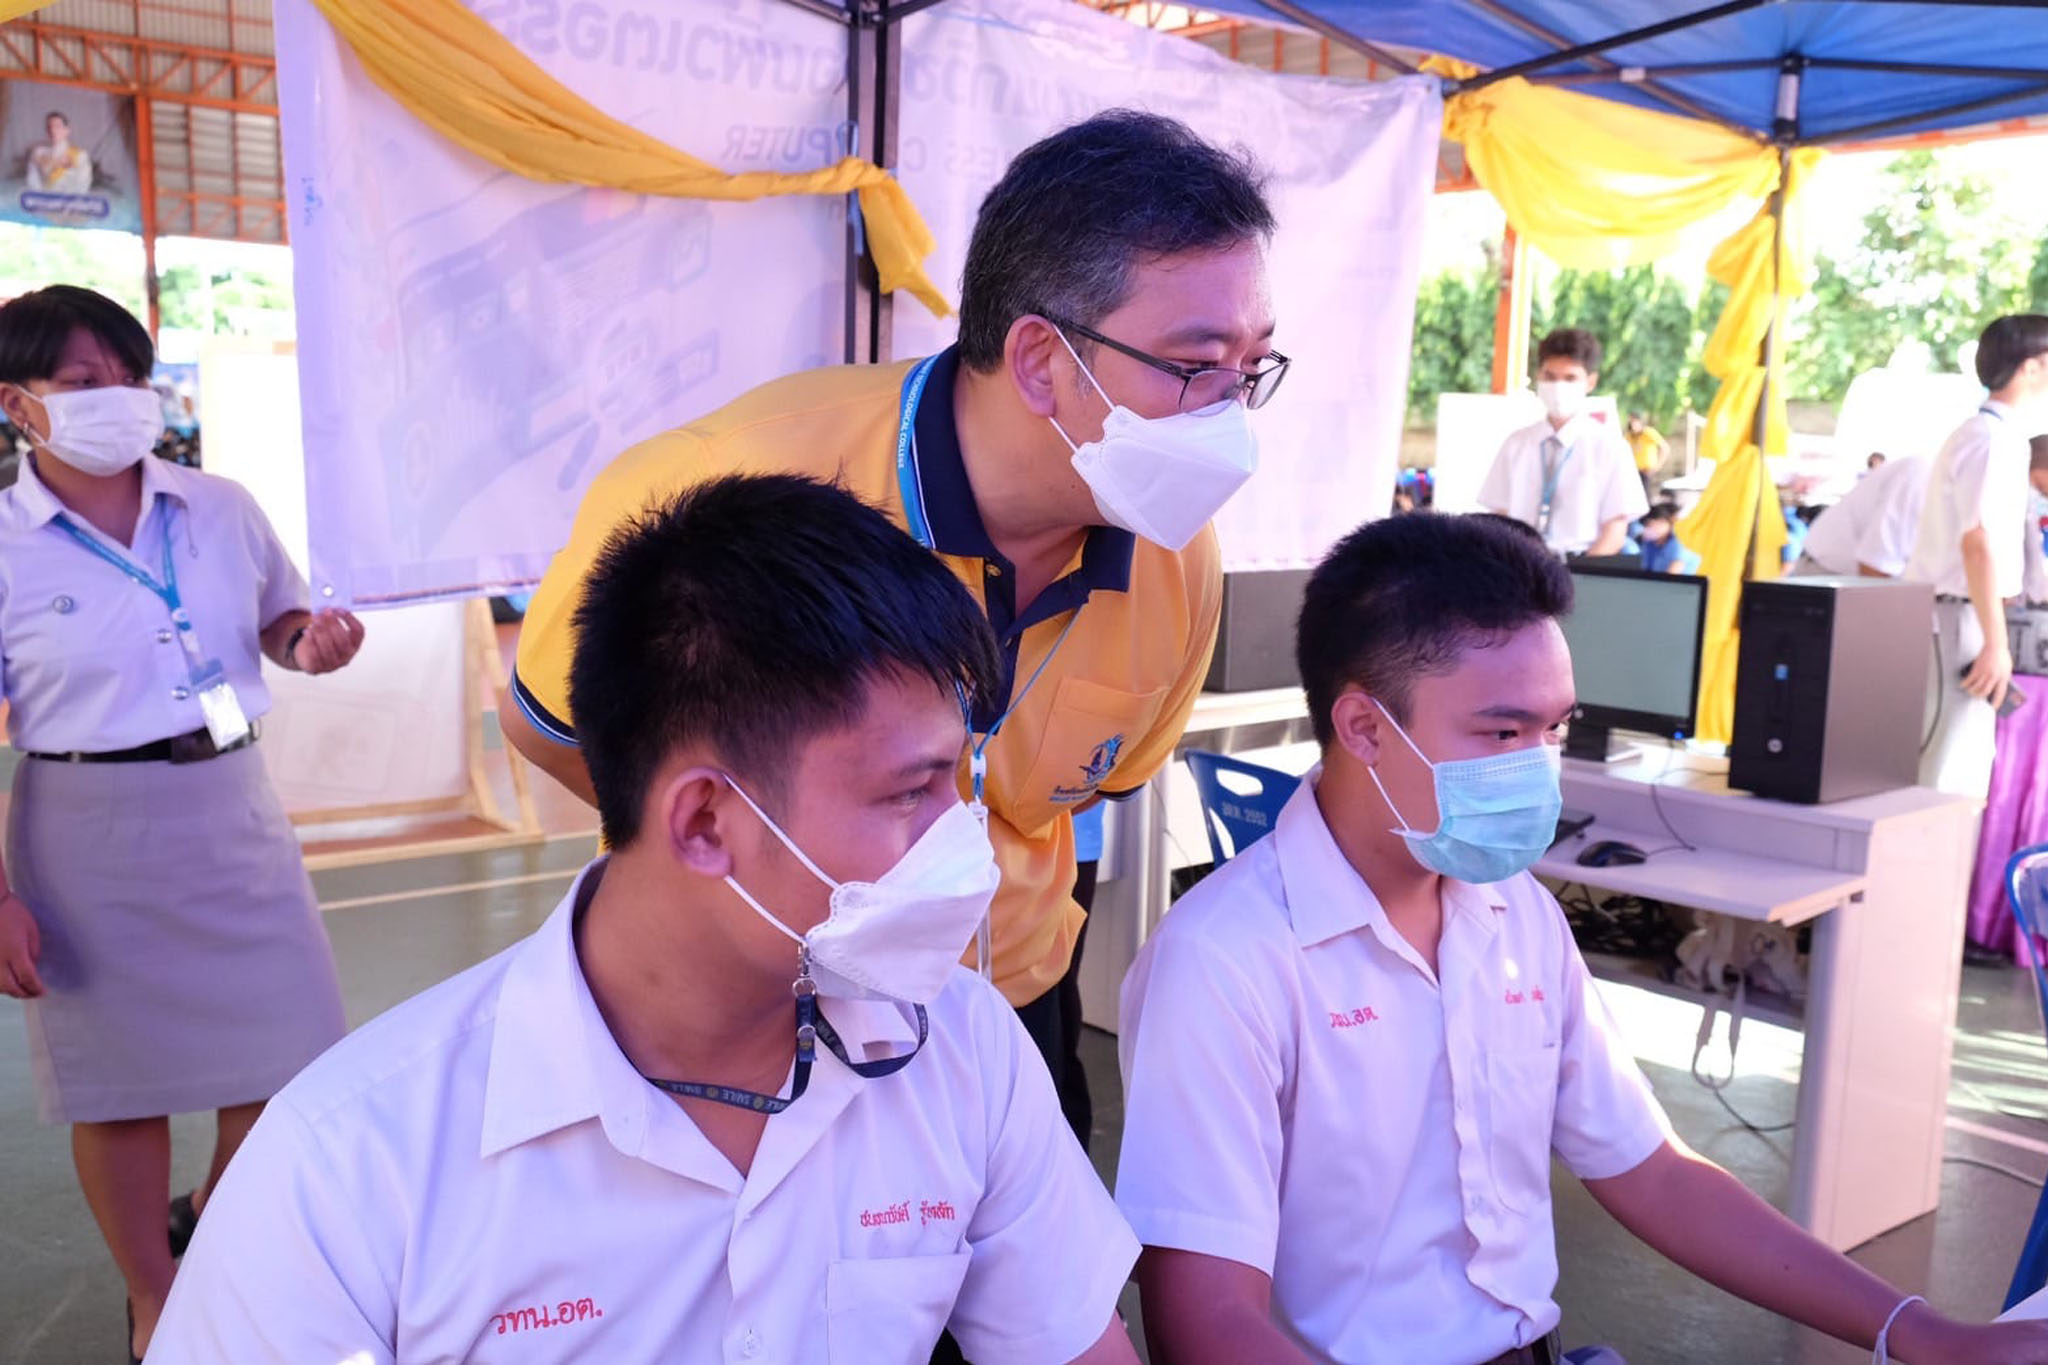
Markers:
point(1859, 69)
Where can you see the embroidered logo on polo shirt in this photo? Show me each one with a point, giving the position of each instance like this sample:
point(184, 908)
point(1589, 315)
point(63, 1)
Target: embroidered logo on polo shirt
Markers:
point(1354, 1018)
point(563, 1314)
point(1098, 766)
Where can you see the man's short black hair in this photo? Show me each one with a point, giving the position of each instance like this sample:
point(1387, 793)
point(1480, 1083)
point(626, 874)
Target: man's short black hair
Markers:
point(35, 328)
point(747, 615)
point(1662, 511)
point(1571, 343)
point(2008, 343)
point(1403, 598)
point(1074, 214)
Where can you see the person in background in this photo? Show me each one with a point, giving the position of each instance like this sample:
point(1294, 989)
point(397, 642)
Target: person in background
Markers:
point(1649, 447)
point(1871, 531)
point(154, 909)
point(1404, 501)
point(736, 1099)
point(1571, 476)
point(1064, 459)
point(1972, 547)
point(57, 166)
point(1352, 1052)
point(2036, 590)
point(1656, 538)
point(1874, 463)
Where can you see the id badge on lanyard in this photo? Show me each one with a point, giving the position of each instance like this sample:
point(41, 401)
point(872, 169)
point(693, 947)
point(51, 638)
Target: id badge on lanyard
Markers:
point(226, 723)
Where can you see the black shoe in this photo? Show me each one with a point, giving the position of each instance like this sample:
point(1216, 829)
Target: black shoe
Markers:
point(184, 1222)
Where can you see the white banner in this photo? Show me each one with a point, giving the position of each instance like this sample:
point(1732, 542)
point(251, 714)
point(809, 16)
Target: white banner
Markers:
point(1352, 167)
point(475, 346)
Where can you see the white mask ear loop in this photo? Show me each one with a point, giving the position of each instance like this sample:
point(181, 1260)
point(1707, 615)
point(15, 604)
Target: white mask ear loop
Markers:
point(1087, 374)
point(776, 830)
point(802, 984)
point(1406, 831)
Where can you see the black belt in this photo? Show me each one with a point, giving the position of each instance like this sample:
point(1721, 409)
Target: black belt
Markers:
point(1951, 597)
point(193, 747)
point(1548, 1351)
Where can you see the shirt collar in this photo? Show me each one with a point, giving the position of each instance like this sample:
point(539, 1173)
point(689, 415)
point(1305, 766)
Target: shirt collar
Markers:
point(1325, 895)
point(40, 507)
point(1581, 425)
point(948, 498)
point(555, 1063)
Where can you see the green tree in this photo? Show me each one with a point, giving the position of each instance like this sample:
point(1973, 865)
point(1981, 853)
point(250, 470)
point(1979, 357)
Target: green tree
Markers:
point(1937, 261)
point(1453, 348)
point(1649, 329)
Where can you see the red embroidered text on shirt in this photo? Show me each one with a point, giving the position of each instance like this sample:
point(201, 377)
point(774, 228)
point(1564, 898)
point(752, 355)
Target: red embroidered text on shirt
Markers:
point(1363, 1015)
point(1517, 998)
point(930, 1212)
point(563, 1314)
point(886, 1217)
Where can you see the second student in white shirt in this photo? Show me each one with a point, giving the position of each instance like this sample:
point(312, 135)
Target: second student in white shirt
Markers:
point(658, 1129)
point(1352, 1051)
point(1571, 476)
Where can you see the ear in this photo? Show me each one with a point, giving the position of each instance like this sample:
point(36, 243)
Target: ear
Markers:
point(1592, 380)
point(693, 809)
point(1035, 357)
point(1358, 726)
point(22, 408)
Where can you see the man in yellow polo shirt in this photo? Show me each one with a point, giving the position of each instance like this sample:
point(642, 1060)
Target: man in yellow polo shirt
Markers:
point(1064, 459)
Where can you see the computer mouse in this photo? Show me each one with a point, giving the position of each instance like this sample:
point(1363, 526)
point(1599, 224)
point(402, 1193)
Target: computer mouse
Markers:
point(1611, 853)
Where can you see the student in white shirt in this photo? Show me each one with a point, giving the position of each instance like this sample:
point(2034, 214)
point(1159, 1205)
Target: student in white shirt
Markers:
point(1972, 548)
point(1571, 476)
point(1872, 530)
point(155, 914)
point(618, 1140)
point(1352, 1051)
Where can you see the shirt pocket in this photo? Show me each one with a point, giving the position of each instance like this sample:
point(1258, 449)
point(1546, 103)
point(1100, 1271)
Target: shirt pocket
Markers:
point(1085, 734)
point(1522, 1082)
point(890, 1308)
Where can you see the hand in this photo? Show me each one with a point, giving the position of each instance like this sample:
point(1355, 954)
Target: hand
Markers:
point(330, 641)
point(21, 943)
point(1990, 675)
point(1935, 1340)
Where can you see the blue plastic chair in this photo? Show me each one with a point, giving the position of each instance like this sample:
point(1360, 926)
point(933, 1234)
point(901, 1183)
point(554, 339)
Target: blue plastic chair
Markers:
point(1239, 800)
point(2026, 886)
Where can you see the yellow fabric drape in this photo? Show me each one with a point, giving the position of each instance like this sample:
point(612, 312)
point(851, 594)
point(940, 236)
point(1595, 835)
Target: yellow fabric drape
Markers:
point(14, 9)
point(1596, 184)
point(462, 78)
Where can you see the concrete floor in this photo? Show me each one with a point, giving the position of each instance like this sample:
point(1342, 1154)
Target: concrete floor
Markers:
point(399, 927)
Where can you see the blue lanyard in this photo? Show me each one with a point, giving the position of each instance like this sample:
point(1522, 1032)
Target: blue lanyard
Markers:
point(165, 592)
point(1551, 474)
point(921, 527)
point(811, 1029)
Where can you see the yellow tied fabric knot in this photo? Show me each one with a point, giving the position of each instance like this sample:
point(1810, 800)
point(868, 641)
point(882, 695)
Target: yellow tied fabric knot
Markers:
point(469, 83)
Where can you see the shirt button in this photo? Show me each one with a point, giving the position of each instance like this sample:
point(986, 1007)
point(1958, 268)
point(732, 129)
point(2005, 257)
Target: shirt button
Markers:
point(181, 694)
point(163, 637)
point(750, 1346)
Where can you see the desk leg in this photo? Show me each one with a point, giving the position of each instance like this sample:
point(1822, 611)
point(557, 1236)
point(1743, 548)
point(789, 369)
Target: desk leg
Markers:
point(1127, 906)
point(1880, 1016)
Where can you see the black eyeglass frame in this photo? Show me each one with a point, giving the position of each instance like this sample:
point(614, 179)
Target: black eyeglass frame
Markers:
point(1253, 384)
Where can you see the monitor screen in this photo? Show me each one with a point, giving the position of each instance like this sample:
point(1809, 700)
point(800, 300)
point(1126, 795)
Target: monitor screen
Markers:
point(1635, 643)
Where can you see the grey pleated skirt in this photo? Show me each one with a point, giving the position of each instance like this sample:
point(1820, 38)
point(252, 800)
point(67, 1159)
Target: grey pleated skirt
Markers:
point(184, 958)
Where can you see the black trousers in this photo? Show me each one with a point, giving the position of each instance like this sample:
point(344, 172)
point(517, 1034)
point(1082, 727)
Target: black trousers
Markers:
point(1054, 1022)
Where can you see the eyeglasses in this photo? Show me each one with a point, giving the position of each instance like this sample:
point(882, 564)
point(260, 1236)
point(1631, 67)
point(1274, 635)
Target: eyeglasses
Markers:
point(1200, 386)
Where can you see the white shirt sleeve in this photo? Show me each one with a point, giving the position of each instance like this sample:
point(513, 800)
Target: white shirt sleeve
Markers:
point(1607, 1122)
point(1621, 489)
point(279, 1270)
point(1497, 492)
point(1204, 1142)
point(1972, 487)
point(283, 588)
point(1049, 1254)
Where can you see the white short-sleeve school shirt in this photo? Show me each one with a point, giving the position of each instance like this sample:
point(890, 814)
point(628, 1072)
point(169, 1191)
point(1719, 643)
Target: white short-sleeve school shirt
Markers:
point(1979, 479)
point(89, 661)
point(1586, 468)
point(1876, 523)
point(480, 1174)
point(1305, 1097)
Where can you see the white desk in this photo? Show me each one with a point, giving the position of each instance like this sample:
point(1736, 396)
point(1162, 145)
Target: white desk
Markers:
point(1881, 1005)
point(2033, 1306)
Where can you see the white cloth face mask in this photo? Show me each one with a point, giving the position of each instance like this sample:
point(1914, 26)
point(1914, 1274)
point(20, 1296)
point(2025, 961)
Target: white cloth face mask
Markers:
point(1563, 399)
point(102, 431)
point(1164, 478)
point(900, 937)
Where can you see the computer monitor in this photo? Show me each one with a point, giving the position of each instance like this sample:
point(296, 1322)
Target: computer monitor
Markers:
point(1635, 643)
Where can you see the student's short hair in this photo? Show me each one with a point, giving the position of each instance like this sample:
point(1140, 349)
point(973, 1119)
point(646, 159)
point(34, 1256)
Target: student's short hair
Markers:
point(748, 615)
point(1077, 212)
point(1403, 598)
point(36, 327)
point(2008, 343)
point(1662, 511)
point(2037, 452)
point(1571, 343)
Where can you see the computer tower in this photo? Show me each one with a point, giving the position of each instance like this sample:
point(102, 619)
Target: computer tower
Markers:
point(1831, 687)
point(1255, 639)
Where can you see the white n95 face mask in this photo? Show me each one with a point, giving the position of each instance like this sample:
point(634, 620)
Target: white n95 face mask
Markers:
point(1164, 478)
point(103, 431)
point(1563, 399)
point(900, 937)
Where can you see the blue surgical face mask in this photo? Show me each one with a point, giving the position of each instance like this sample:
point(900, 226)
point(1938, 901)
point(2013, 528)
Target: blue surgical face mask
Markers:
point(1495, 815)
